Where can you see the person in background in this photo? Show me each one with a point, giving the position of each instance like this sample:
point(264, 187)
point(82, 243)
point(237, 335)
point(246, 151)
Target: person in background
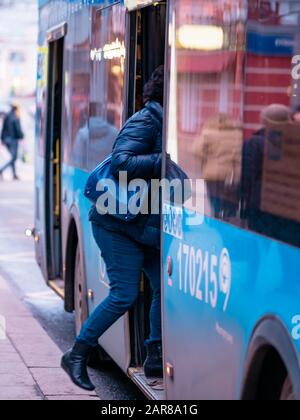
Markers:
point(218, 151)
point(128, 248)
point(11, 135)
point(273, 118)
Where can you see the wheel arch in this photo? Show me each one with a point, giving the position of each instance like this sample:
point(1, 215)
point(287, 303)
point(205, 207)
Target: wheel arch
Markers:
point(271, 349)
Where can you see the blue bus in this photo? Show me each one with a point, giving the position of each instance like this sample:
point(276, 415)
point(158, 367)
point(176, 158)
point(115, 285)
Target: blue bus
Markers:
point(230, 255)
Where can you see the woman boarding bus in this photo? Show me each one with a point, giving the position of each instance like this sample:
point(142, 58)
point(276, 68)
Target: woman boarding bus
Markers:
point(128, 248)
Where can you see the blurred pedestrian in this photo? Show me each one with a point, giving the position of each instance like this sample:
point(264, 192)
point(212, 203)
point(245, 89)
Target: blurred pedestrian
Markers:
point(11, 135)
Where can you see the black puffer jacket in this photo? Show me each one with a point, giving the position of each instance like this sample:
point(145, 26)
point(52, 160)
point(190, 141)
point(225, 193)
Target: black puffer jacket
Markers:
point(12, 128)
point(138, 151)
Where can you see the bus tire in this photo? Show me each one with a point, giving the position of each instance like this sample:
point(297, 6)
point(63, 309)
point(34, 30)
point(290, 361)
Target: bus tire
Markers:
point(80, 293)
point(287, 393)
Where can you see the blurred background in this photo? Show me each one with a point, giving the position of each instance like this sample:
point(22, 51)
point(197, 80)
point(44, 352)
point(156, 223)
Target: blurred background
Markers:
point(18, 44)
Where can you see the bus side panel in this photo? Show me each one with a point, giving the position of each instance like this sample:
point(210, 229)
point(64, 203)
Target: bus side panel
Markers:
point(201, 342)
point(224, 280)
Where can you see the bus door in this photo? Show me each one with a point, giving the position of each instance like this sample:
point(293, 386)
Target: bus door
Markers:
point(53, 160)
point(147, 52)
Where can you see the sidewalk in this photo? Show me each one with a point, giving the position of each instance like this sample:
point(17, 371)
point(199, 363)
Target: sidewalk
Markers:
point(29, 360)
point(26, 171)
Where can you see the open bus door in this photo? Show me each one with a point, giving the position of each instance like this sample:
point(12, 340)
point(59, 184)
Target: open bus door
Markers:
point(53, 157)
point(147, 52)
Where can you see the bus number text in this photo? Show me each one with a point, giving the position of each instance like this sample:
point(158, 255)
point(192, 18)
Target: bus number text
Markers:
point(204, 276)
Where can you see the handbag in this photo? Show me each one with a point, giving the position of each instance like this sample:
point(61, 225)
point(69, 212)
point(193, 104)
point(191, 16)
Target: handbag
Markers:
point(101, 181)
point(181, 191)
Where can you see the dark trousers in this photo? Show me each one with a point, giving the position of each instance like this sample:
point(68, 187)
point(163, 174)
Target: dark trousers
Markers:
point(12, 147)
point(125, 259)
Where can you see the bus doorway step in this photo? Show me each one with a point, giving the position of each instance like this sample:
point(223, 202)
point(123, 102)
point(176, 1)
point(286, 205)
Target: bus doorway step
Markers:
point(153, 388)
point(58, 286)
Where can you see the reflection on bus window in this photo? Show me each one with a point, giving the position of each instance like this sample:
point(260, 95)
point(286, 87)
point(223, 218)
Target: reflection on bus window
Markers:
point(237, 110)
point(207, 68)
point(218, 150)
point(271, 176)
point(107, 58)
point(77, 82)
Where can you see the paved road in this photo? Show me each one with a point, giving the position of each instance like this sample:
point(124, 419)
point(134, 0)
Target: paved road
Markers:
point(18, 266)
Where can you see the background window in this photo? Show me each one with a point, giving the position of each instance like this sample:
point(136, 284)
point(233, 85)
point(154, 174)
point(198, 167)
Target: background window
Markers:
point(237, 108)
point(107, 58)
point(77, 90)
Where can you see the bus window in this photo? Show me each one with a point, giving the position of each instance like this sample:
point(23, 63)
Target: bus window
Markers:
point(42, 69)
point(271, 152)
point(107, 58)
point(232, 93)
point(77, 85)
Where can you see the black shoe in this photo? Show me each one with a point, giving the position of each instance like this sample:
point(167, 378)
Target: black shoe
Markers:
point(74, 363)
point(153, 366)
point(16, 178)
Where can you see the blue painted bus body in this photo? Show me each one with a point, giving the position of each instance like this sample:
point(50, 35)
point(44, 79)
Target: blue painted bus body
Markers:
point(214, 341)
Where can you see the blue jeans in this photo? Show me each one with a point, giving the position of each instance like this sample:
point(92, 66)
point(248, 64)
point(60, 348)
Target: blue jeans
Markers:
point(125, 259)
point(12, 147)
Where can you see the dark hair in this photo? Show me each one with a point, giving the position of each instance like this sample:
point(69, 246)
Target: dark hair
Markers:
point(154, 89)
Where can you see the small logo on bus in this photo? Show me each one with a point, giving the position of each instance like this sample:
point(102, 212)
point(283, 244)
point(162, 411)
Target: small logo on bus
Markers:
point(173, 221)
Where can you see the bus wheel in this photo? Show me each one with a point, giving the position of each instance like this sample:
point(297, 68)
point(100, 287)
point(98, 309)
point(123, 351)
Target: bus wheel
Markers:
point(287, 393)
point(80, 293)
